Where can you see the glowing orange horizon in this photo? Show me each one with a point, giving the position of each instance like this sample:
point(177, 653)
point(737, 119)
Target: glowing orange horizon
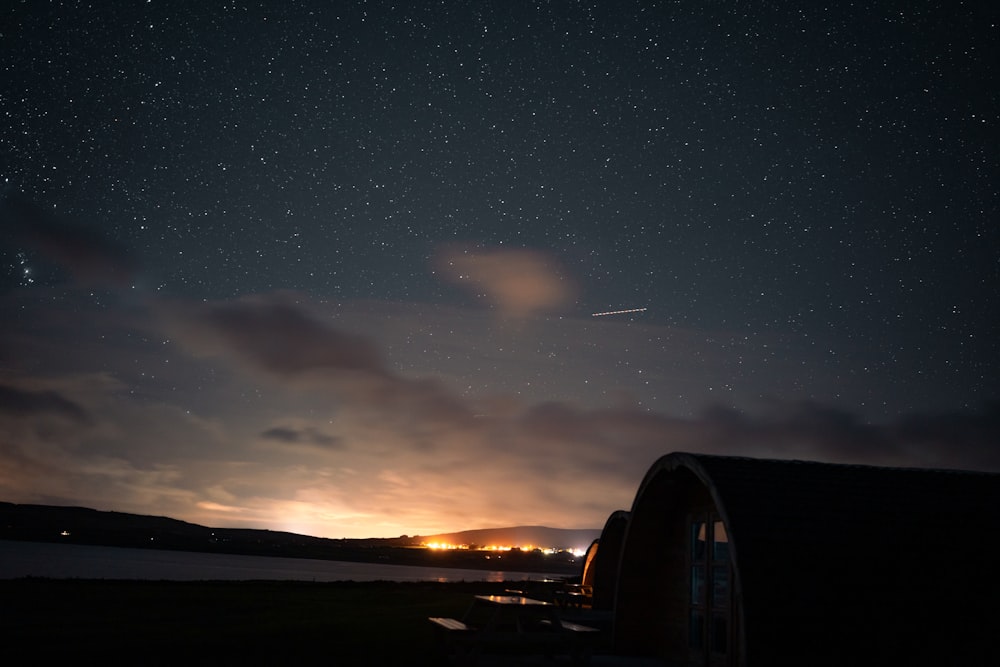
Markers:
point(445, 546)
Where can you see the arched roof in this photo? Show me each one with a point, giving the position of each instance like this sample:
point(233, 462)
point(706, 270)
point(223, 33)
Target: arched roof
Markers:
point(848, 557)
point(605, 566)
point(587, 571)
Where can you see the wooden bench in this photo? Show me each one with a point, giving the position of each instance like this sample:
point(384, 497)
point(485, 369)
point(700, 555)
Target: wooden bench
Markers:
point(450, 624)
point(463, 643)
point(575, 598)
point(569, 626)
point(579, 639)
point(454, 639)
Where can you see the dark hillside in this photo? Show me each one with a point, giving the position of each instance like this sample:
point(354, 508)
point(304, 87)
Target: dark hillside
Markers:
point(80, 525)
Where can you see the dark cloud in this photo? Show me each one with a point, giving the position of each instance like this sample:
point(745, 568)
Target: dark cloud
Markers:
point(282, 434)
point(310, 436)
point(954, 439)
point(281, 339)
point(815, 432)
point(599, 442)
point(20, 402)
point(803, 427)
point(91, 258)
point(278, 338)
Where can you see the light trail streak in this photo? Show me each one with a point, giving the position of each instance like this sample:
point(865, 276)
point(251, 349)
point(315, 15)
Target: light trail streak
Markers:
point(620, 312)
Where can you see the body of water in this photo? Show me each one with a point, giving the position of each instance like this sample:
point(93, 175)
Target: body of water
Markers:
point(75, 561)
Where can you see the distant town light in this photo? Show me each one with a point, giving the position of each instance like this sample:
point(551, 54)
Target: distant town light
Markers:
point(548, 551)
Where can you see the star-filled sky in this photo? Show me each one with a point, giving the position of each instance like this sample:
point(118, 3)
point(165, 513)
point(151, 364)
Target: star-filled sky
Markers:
point(332, 267)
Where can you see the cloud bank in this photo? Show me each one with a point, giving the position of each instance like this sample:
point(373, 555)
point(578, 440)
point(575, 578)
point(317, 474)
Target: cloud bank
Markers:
point(273, 411)
point(284, 418)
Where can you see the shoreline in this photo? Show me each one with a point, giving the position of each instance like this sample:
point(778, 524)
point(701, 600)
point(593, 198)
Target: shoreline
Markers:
point(20, 559)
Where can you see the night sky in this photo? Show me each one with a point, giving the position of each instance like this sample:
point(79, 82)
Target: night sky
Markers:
point(332, 267)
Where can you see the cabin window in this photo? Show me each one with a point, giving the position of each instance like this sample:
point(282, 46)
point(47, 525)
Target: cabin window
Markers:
point(697, 582)
point(720, 585)
point(699, 541)
point(710, 625)
point(696, 629)
point(720, 542)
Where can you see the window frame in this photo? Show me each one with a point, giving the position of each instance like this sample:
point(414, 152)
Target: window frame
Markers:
point(707, 610)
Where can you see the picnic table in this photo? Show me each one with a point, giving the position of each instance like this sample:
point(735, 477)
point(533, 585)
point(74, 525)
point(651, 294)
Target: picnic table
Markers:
point(575, 595)
point(512, 623)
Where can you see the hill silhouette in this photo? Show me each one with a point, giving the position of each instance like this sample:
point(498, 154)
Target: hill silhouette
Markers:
point(81, 525)
point(521, 536)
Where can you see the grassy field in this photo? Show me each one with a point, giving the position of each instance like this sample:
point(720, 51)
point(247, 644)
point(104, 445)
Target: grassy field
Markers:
point(227, 623)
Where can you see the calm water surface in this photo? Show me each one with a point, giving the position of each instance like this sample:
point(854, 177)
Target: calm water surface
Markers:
point(74, 561)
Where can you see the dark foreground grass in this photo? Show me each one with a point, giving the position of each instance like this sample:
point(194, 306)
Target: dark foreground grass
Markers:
point(227, 623)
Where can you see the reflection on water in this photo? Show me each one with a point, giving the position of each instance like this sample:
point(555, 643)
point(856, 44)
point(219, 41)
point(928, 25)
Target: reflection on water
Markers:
point(74, 561)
